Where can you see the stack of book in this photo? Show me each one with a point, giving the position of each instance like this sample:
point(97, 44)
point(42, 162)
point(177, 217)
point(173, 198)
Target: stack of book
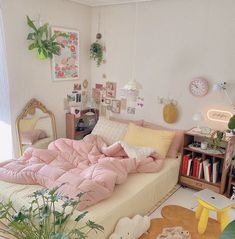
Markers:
point(207, 169)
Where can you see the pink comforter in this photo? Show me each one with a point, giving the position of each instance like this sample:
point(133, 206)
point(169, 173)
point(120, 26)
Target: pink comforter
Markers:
point(87, 165)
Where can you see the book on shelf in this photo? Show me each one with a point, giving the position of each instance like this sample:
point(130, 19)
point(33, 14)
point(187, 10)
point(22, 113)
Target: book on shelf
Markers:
point(184, 167)
point(189, 167)
point(215, 171)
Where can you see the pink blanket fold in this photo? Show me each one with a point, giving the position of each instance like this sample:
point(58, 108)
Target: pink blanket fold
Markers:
point(87, 166)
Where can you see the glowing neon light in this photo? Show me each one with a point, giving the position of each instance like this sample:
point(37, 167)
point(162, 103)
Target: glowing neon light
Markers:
point(219, 115)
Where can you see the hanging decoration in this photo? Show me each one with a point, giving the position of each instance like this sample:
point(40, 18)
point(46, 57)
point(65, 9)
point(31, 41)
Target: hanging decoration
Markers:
point(97, 48)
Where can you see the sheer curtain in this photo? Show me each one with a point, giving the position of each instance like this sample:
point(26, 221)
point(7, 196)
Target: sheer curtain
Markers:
point(5, 118)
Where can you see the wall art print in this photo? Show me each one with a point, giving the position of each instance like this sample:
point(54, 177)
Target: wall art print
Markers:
point(66, 65)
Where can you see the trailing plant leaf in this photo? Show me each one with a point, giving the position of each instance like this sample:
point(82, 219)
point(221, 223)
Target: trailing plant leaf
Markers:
point(45, 45)
point(231, 124)
point(41, 220)
point(96, 52)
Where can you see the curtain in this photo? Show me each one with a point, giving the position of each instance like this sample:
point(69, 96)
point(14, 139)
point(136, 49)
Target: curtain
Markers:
point(6, 151)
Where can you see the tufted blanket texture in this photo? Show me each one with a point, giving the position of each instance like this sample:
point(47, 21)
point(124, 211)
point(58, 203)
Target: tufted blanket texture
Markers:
point(87, 165)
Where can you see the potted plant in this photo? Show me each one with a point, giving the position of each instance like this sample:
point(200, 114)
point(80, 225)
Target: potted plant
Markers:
point(216, 140)
point(41, 220)
point(46, 45)
point(96, 52)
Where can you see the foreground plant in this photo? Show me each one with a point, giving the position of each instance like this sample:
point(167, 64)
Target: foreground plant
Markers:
point(41, 220)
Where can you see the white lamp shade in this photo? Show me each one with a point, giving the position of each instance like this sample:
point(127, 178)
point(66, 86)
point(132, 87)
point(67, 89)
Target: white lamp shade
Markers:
point(132, 85)
point(197, 117)
point(216, 87)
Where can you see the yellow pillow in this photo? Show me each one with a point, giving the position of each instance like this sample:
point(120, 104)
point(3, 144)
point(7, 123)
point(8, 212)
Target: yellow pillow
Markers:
point(28, 124)
point(145, 137)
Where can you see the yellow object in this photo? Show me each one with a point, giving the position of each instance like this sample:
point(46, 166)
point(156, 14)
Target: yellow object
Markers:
point(27, 124)
point(145, 137)
point(170, 113)
point(202, 214)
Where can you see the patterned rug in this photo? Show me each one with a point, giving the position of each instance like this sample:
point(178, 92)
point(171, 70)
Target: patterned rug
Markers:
point(177, 216)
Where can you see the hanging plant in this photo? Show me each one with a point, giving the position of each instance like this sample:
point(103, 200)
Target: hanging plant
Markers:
point(46, 45)
point(96, 52)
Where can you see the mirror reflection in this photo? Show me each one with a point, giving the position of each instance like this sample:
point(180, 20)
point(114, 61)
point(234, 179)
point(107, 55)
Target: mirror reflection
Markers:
point(35, 126)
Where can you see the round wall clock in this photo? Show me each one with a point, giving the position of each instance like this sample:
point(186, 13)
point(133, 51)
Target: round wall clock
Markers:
point(199, 87)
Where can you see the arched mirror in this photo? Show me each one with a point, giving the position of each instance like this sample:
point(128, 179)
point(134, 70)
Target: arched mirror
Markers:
point(35, 126)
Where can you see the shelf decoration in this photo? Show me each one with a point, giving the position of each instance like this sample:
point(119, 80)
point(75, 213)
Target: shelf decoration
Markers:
point(46, 45)
point(65, 66)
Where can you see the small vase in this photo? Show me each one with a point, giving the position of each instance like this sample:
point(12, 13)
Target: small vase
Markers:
point(41, 56)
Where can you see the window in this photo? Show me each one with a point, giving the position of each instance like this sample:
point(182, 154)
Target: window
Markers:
point(5, 118)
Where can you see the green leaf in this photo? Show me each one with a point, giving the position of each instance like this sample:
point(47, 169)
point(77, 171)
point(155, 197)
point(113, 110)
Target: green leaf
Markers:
point(31, 24)
point(31, 36)
point(231, 124)
point(82, 215)
point(229, 231)
point(32, 46)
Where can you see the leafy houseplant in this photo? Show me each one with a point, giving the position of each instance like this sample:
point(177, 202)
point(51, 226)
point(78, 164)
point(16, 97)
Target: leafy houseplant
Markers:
point(231, 124)
point(216, 140)
point(96, 52)
point(46, 45)
point(41, 220)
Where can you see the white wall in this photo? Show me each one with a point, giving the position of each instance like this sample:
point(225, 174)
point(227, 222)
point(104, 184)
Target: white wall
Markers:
point(177, 40)
point(30, 77)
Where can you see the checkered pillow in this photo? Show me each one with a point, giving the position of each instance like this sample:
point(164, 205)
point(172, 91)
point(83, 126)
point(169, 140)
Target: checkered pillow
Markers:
point(110, 131)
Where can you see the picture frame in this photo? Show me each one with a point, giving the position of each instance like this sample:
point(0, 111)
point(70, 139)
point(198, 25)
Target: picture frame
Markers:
point(66, 65)
point(111, 89)
point(116, 106)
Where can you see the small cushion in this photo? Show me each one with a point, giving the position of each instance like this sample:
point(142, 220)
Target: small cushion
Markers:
point(176, 142)
point(126, 121)
point(30, 137)
point(110, 131)
point(159, 140)
point(28, 124)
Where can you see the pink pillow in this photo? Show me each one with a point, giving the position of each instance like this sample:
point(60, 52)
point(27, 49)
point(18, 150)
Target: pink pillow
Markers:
point(176, 142)
point(126, 121)
point(30, 137)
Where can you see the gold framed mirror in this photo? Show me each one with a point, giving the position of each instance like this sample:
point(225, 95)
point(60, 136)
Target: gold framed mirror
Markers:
point(35, 126)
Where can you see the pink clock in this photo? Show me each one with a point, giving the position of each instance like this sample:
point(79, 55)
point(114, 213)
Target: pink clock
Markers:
point(199, 87)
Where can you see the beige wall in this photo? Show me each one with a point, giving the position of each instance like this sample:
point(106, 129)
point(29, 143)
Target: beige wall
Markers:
point(177, 40)
point(30, 77)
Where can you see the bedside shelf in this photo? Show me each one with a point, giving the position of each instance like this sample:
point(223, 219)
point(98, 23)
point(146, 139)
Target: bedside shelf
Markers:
point(197, 163)
point(71, 123)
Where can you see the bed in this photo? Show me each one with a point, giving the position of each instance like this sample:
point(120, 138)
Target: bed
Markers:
point(138, 195)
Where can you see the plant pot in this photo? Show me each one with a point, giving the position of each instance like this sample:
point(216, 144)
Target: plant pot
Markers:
point(41, 56)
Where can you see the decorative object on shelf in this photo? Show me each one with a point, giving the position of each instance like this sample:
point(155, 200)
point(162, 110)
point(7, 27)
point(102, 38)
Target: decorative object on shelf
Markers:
point(216, 139)
point(44, 221)
point(222, 86)
point(197, 118)
point(205, 130)
point(199, 86)
point(65, 66)
point(77, 87)
point(75, 111)
point(46, 45)
point(219, 115)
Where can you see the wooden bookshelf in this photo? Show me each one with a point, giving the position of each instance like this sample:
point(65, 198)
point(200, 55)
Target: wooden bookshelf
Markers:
point(72, 131)
point(223, 159)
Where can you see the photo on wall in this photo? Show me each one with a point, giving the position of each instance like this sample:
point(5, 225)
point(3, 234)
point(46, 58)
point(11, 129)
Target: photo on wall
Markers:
point(111, 89)
point(116, 106)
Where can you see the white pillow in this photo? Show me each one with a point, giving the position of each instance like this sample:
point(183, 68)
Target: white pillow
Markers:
point(110, 131)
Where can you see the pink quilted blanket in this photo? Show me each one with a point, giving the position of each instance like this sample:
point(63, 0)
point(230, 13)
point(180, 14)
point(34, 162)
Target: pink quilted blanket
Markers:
point(87, 166)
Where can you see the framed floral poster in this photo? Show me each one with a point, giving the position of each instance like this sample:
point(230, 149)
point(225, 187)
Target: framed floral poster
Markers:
point(66, 65)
